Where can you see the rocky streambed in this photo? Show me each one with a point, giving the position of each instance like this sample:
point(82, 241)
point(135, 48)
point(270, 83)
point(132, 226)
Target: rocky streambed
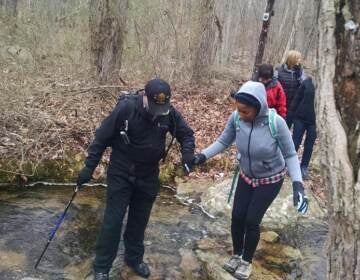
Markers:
point(187, 238)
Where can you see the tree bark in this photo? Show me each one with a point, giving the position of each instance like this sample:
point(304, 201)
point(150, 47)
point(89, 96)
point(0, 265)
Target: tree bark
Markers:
point(205, 52)
point(338, 110)
point(107, 26)
point(291, 42)
point(263, 36)
point(9, 6)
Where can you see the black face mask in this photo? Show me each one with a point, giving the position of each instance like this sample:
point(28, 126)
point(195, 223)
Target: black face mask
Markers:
point(297, 67)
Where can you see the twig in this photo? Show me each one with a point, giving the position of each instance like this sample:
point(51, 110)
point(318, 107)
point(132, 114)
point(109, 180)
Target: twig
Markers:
point(54, 184)
point(16, 173)
point(92, 88)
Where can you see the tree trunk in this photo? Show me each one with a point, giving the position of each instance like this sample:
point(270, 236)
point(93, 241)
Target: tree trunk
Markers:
point(9, 6)
point(263, 36)
point(107, 26)
point(205, 52)
point(291, 42)
point(339, 118)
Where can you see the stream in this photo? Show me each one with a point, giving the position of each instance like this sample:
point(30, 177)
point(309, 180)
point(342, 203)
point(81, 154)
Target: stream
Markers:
point(181, 241)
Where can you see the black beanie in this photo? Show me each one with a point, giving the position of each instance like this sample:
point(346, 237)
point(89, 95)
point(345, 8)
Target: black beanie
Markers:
point(248, 99)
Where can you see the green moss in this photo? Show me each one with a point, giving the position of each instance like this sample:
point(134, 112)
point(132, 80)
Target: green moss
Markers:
point(67, 169)
point(167, 174)
point(64, 170)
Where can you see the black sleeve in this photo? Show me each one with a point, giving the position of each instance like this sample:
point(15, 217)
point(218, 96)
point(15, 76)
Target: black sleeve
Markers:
point(104, 135)
point(297, 99)
point(183, 133)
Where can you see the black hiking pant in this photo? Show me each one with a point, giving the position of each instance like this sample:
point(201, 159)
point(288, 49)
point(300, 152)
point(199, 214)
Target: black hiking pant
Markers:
point(124, 192)
point(250, 205)
point(300, 127)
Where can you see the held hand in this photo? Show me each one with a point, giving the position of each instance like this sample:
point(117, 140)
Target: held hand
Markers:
point(187, 162)
point(301, 201)
point(199, 159)
point(85, 176)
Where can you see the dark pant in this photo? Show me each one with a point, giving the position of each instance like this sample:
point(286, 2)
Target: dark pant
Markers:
point(289, 119)
point(123, 192)
point(300, 128)
point(250, 205)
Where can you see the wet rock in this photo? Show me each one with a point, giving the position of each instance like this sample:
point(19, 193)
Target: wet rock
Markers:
point(270, 236)
point(191, 186)
point(281, 213)
point(11, 260)
point(282, 257)
point(215, 198)
point(212, 264)
point(189, 264)
point(213, 261)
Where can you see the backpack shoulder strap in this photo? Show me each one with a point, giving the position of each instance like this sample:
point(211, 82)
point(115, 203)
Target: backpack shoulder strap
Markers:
point(173, 134)
point(272, 122)
point(273, 125)
point(130, 100)
point(236, 119)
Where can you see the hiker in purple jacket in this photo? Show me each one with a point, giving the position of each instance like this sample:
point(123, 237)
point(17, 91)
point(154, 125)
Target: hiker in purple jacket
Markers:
point(264, 162)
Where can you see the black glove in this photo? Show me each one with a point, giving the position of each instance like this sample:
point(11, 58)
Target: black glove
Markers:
point(301, 201)
point(187, 162)
point(85, 176)
point(199, 159)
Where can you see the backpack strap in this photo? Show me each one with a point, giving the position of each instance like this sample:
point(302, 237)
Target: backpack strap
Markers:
point(273, 125)
point(236, 119)
point(171, 119)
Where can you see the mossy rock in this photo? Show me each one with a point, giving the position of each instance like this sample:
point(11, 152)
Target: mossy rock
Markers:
point(63, 170)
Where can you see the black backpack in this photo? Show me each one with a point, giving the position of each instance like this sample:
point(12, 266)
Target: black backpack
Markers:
point(130, 98)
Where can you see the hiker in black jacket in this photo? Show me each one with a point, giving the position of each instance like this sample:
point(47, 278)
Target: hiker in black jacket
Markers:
point(136, 131)
point(290, 75)
point(304, 121)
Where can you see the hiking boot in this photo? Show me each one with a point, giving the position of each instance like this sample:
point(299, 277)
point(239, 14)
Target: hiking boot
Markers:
point(141, 269)
point(101, 276)
point(232, 264)
point(305, 173)
point(244, 270)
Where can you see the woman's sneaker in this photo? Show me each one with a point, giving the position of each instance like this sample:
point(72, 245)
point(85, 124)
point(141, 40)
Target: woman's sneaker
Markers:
point(101, 276)
point(232, 264)
point(244, 270)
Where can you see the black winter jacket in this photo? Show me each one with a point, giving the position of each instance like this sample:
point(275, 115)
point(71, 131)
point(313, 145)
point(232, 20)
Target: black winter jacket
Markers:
point(290, 79)
point(147, 137)
point(303, 104)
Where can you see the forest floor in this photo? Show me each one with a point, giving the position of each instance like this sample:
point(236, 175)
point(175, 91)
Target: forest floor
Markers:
point(49, 119)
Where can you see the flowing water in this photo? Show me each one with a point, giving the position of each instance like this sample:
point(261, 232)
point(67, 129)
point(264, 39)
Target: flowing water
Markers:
point(28, 215)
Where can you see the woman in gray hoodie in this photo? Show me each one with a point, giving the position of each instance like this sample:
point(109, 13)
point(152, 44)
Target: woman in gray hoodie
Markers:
point(264, 161)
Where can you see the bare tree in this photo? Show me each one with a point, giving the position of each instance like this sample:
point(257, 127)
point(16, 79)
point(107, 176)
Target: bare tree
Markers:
point(107, 29)
point(263, 35)
point(205, 53)
point(339, 118)
point(9, 6)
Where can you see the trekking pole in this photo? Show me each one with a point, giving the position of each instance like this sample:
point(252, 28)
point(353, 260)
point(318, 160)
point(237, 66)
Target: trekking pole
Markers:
point(57, 225)
point(236, 173)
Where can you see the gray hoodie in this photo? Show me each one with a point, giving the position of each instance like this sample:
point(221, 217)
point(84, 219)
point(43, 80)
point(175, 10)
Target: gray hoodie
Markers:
point(260, 154)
